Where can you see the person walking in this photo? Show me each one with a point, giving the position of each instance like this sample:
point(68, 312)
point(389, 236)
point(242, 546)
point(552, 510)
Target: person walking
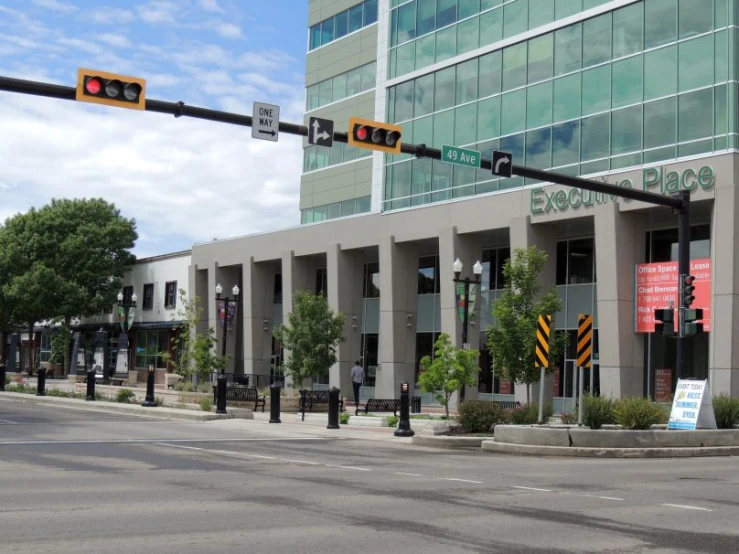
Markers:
point(357, 380)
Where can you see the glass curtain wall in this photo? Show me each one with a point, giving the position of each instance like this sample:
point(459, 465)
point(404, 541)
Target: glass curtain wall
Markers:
point(649, 82)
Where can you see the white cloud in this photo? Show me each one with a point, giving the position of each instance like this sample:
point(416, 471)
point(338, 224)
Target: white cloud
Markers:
point(158, 12)
point(55, 5)
point(107, 15)
point(228, 30)
point(119, 41)
point(177, 177)
point(211, 6)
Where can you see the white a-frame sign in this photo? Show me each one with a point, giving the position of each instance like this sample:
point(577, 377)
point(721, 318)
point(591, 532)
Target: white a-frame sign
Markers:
point(692, 407)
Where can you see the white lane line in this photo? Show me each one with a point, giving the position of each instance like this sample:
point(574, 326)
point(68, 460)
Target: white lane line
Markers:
point(610, 498)
point(357, 468)
point(299, 462)
point(408, 474)
point(461, 480)
point(531, 488)
point(154, 441)
point(8, 422)
point(687, 507)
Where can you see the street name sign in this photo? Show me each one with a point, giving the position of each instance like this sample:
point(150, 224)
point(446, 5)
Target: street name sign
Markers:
point(460, 156)
point(502, 164)
point(265, 122)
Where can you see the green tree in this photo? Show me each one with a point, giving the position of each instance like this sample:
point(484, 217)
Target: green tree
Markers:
point(511, 339)
point(311, 336)
point(449, 371)
point(85, 243)
point(196, 351)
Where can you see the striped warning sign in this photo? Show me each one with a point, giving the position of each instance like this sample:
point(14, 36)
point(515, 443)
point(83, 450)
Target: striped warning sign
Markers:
point(584, 340)
point(543, 329)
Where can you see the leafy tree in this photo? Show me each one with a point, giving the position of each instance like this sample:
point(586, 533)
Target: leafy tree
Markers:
point(449, 371)
point(512, 338)
point(195, 351)
point(84, 243)
point(311, 336)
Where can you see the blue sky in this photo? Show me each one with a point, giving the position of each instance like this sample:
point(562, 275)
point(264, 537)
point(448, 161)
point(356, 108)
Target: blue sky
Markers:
point(183, 180)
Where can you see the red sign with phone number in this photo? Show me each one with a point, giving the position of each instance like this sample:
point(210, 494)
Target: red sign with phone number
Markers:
point(657, 286)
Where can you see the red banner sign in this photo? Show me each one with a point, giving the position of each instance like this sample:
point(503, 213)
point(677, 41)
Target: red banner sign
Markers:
point(657, 286)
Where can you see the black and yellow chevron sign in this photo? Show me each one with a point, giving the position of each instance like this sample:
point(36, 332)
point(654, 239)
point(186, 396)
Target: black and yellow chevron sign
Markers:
point(543, 329)
point(584, 340)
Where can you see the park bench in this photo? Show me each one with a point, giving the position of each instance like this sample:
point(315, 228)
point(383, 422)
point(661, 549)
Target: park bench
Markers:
point(507, 405)
point(242, 393)
point(310, 397)
point(389, 405)
point(115, 381)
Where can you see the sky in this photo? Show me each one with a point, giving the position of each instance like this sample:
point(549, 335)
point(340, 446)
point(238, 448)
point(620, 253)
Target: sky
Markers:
point(183, 180)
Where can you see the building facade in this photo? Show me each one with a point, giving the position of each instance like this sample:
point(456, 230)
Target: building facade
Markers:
point(641, 94)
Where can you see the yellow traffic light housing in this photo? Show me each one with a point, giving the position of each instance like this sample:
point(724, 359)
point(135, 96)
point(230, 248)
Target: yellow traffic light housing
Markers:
point(375, 135)
point(110, 89)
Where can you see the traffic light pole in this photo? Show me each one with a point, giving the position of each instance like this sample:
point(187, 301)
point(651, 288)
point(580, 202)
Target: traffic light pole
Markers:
point(683, 268)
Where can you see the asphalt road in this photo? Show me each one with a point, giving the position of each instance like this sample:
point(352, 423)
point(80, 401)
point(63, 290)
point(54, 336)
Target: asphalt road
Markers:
point(76, 481)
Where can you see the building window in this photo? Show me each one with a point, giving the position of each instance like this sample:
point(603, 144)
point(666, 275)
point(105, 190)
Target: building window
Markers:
point(150, 348)
point(343, 85)
point(493, 261)
point(576, 261)
point(127, 295)
point(170, 294)
point(149, 296)
point(372, 280)
point(341, 24)
point(278, 289)
point(322, 281)
point(428, 272)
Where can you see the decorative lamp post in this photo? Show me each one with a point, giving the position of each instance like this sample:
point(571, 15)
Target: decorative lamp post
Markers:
point(126, 315)
point(477, 270)
point(221, 398)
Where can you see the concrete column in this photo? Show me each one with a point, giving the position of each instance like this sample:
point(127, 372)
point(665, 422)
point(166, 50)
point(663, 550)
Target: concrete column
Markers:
point(724, 335)
point(209, 311)
point(297, 274)
point(258, 294)
point(468, 248)
point(398, 298)
point(620, 244)
point(525, 234)
point(345, 280)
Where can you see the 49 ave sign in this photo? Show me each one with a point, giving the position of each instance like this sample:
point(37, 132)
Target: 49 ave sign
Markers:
point(654, 179)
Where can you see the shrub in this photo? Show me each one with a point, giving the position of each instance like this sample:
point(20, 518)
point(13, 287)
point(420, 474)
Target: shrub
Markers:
point(125, 396)
point(204, 387)
point(528, 414)
point(597, 411)
point(479, 416)
point(344, 418)
point(159, 401)
point(392, 421)
point(726, 410)
point(568, 418)
point(206, 404)
point(637, 413)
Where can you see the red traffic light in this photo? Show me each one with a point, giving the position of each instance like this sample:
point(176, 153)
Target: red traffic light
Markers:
point(362, 132)
point(93, 85)
point(111, 89)
point(375, 135)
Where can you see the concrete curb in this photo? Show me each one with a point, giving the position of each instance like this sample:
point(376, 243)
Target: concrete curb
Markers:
point(160, 412)
point(585, 452)
point(448, 442)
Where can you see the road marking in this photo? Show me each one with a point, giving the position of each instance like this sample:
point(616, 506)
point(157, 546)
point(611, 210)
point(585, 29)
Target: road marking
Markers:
point(8, 422)
point(357, 468)
point(531, 488)
point(610, 498)
point(461, 480)
point(152, 441)
point(299, 462)
point(686, 507)
point(408, 474)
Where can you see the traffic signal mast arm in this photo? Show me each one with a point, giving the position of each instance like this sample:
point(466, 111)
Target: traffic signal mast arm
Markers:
point(179, 109)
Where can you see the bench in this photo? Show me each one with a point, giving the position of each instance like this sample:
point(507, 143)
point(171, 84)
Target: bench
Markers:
point(308, 398)
point(242, 393)
point(389, 405)
point(115, 381)
point(507, 405)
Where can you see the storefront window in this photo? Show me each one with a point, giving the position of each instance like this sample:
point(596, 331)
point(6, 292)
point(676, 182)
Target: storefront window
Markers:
point(428, 271)
point(150, 348)
point(576, 261)
point(372, 280)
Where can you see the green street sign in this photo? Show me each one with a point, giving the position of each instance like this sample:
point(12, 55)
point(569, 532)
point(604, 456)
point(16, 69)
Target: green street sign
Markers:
point(460, 156)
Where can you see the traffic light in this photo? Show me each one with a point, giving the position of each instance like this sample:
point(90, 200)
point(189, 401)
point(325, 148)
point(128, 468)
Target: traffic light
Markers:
point(687, 288)
point(692, 316)
point(111, 89)
point(374, 135)
point(664, 322)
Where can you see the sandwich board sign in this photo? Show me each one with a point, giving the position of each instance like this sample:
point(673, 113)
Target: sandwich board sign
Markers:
point(692, 407)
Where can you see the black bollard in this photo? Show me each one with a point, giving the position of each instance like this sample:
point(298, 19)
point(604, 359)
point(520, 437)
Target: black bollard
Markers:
point(333, 408)
point(150, 401)
point(2, 377)
point(404, 425)
point(90, 385)
point(274, 403)
point(221, 399)
point(40, 382)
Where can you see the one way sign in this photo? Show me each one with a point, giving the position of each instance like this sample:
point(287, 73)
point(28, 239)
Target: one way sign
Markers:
point(502, 163)
point(265, 121)
point(321, 131)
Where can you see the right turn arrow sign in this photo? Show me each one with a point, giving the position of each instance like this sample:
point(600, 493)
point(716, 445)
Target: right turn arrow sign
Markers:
point(502, 163)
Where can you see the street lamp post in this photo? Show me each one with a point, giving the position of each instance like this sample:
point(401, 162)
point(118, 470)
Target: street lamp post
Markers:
point(222, 384)
point(477, 270)
point(126, 315)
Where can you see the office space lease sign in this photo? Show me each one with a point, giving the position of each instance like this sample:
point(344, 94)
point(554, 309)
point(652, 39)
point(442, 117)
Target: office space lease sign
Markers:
point(656, 287)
